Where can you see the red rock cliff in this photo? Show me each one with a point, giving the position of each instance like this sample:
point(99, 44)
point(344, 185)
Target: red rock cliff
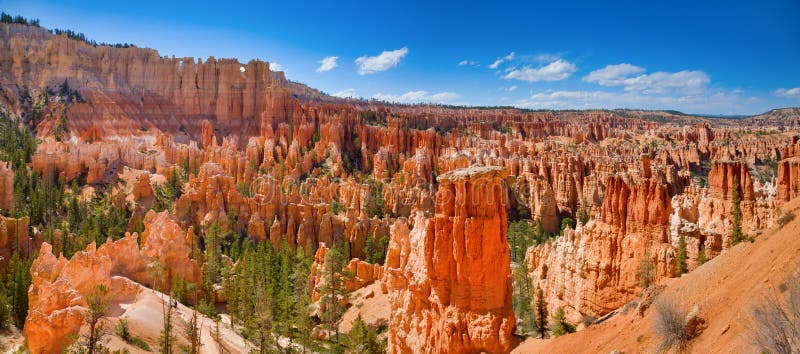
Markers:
point(129, 90)
point(592, 270)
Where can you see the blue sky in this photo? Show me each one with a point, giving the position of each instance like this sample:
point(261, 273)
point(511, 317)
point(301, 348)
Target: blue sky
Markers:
point(717, 57)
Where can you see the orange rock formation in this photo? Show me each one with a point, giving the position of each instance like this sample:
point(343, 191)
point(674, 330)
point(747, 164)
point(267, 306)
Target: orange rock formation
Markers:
point(437, 272)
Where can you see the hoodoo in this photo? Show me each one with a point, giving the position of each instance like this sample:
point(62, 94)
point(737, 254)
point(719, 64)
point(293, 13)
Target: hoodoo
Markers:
point(451, 282)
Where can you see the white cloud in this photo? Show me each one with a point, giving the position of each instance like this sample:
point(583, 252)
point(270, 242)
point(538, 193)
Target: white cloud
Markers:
point(445, 97)
point(501, 60)
point(685, 81)
point(787, 93)
point(633, 78)
point(613, 75)
point(275, 67)
point(418, 97)
point(327, 64)
point(707, 102)
point(348, 93)
point(545, 58)
point(467, 62)
point(555, 71)
point(382, 62)
point(511, 88)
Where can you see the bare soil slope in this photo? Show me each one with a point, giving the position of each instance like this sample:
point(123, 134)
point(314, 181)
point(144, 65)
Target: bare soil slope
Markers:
point(725, 288)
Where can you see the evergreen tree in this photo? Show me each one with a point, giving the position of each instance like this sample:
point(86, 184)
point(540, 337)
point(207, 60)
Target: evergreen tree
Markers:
point(538, 233)
point(5, 309)
point(375, 249)
point(18, 284)
point(680, 258)
point(369, 249)
point(213, 257)
point(302, 301)
point(193, 332)
point(180, 289)
point(363, 340)
point(523, 300)
point(736, 218)
point(645, 273)
point(567, 222)
point(560, 324)
point(74, 215)
point(98, 305)
point(541, 313)
point(285, 299)
point(333, 289)
point(520, 237)
point(166, 340)
point(701, 255)
point(156, 272)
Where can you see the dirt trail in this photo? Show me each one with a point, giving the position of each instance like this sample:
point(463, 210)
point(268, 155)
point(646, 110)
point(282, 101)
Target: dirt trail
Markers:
point(145, 320)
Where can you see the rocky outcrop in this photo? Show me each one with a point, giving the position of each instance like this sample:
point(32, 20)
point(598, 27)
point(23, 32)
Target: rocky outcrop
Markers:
point(789, 172)
point(722, 177)
point(436, 273)
point(57, 297)
point(128, 91)
point(14, 233)
point(364, 273)
point(6, 187)
point(592, 270)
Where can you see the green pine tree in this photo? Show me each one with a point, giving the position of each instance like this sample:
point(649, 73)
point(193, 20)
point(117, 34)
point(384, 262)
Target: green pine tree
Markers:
point(541, 314)
point(193, 334)
point(333, 289)
point(520, 237)
point(701, 255)
point(370, 248)
point(302, 301)
point(5, 308)
point(166, 339)
point(97, 307)
point(523, 300)
point(560, 324)
point(538, 233)
point(645, 273)
point(736, 218)
point(213, 257)
point(363, 340)
point(18, 284)
point(680, 257)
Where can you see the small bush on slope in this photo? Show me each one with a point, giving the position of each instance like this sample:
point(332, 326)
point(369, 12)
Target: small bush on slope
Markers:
point(669, 326)
point(775, 322)
point(786, 218)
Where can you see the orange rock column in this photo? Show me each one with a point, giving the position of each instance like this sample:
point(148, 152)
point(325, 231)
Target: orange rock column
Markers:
point(450, 284)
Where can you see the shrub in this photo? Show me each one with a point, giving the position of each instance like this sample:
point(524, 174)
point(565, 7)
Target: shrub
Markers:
point(122, 329)
point(336, 207)
point(567, 222)
point(589, 320)
point(669, 325)
point(786, 218)
point(645, 272)
point(123, 332)
point(560, 324)
point(775, 322)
